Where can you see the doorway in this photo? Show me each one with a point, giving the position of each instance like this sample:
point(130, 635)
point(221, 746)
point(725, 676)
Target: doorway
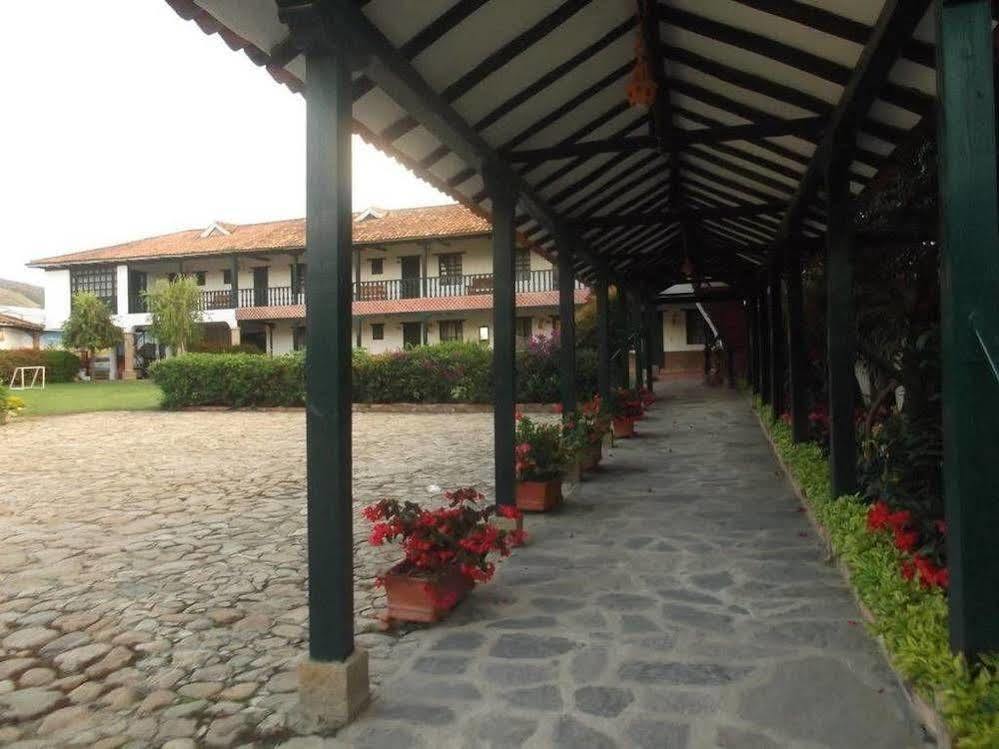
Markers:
point(260, 286)
point(410, 284)
point(412, 334)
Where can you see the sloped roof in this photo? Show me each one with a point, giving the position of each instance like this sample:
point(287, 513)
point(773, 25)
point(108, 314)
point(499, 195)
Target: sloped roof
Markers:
point(9, 321)
point(396, 225)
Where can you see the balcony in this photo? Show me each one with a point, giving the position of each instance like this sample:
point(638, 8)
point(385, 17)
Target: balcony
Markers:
point(373, 291)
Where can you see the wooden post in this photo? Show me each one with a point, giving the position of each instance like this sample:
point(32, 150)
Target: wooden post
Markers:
point(776, 333)
point(970, 319)
point(763, 349)
point(797, 365)
point(648, 308)
point(234, 286)
point(603, 340)
point(635, 334)
point(567, 328)
point(840, 323)
point(749, 305)
point(504, 203)
point(328, 355)
point(624, 353)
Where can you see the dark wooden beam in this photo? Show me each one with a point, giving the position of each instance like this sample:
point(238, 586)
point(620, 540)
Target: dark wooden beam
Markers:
point(969, 320)
point(895, 26)
point(671, 216)
point(720, 134)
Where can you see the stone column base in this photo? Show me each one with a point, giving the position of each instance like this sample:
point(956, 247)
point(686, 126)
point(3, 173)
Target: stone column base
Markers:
point(333, 693)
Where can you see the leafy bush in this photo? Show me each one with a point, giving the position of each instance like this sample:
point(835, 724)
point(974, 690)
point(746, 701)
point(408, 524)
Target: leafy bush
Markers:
point(538, 374)
point(237, 380)
point(9, 404)
point(442, 373)
point(911, 618)
point(61, 366)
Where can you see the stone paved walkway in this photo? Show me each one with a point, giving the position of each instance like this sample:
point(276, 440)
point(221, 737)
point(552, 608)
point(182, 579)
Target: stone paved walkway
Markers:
point(681, 600)
point(152, 593)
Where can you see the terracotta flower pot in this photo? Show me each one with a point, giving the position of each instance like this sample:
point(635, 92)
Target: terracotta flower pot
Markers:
point(539, 496)
point(624, 427)
point(424, 598)
point(591, 456)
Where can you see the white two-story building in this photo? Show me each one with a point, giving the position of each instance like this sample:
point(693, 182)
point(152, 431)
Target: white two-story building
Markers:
point(421, 275)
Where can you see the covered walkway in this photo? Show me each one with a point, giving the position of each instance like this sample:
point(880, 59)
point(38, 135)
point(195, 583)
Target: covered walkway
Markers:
point(679, 599)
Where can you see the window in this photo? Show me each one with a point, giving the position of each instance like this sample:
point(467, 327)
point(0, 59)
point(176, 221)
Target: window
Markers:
point(523, 265)
point(484, 333)
point(377, 266)
point(449, 267)
point(199, 277)
point(298, 337)
point(101, 282)
point(523, 327)
point(377, 331)
point(450, 330)
point(298, 278)
point(695, 327)
point(227, 277)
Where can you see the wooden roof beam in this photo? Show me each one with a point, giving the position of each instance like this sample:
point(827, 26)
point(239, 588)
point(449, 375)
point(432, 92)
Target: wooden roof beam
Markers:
point(676, 214)
point(895, 26)
point(722, 134)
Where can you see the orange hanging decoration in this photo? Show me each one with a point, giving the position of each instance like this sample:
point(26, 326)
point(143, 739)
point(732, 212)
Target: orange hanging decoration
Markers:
point(642, 88)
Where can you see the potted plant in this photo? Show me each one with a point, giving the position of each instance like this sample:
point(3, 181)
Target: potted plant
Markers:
point(596, 424)
point(627, 407)
point(540, 464)
point(446, 551)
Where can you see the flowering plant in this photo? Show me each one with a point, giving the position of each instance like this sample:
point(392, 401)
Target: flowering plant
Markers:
point(627, 404)
point(907, 539)
point(646, 396)
point(540, 451)
point(457, 536)
point(10, 405)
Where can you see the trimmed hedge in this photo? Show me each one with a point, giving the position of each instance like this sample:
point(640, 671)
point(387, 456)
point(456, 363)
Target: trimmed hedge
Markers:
point(442, 373)
point(911, 620)
point(61, 366)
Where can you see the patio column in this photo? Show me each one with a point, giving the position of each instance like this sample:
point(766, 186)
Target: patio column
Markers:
point(647, 335)
point(749, 305)
point(969, 319)
point(763, 349)
point(603, 339)
point(776, 343)
point(567, 328)
point(635, 330)
point(624, 353)
point(504, 202)
point(128, 340)
point(334, 681)
point(234, 286)
point(841, 336)
point(796, 361)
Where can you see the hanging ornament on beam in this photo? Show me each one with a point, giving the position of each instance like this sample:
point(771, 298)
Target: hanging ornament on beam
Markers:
point(641, 88)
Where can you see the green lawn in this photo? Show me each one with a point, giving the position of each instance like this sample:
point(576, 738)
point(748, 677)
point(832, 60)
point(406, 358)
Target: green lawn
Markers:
point(81, 397)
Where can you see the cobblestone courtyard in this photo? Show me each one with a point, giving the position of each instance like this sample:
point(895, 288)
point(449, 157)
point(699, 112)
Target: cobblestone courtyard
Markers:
point(152, 591)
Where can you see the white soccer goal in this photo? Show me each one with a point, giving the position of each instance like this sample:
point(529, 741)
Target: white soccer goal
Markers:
point(19, 380)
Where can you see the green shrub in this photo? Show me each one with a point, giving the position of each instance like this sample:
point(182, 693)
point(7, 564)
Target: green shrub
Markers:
point(442, 373)
point(912, 620)
point(236, 380)
point(61, 366)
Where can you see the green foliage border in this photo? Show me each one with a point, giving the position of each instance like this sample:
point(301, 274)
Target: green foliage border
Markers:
point(910, 621)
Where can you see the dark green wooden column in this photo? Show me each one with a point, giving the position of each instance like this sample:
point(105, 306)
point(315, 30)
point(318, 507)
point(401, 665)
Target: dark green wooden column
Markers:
point(840, 332)
point(776, 333)
point(234, 286)
point(328, 355)
point(603, 339)
point(797, 365)
point(623, 354)
point(567, 328)
point(970, 319)
point(635, 330)
point(763, 326)
point(648, 310)
point(504, 203)
point(749, 307)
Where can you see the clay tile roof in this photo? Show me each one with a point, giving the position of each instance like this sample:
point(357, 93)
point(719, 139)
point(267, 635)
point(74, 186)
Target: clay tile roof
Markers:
point(9, 321)
point(396, 225)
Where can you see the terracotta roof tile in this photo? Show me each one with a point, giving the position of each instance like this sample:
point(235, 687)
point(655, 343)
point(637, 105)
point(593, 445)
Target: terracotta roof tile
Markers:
point(397, 225)
point(9, 321)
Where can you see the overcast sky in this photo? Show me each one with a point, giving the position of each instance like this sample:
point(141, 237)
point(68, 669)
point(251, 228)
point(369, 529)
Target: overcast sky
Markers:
point(129, 122)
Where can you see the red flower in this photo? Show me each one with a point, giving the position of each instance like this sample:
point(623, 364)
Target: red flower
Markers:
point(877, 516)
point(510, 511)
point(906, 540)
point(930, 575)
point(518, 415)
point(908, 569)
point(899, 520)
point(557, 408)
point(941, 526)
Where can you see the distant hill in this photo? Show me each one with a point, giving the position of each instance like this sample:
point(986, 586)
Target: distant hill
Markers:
point(17, 294)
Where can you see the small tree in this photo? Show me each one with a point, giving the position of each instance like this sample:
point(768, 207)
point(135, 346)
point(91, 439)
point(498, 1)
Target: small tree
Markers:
point(176, 310)
point(90, 327)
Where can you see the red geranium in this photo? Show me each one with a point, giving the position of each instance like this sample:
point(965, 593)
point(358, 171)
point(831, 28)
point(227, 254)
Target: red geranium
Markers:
point(457, 535)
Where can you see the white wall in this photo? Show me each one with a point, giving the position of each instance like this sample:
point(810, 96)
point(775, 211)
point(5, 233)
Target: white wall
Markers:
point(57, 298)
point(675, 329)
point(11, 338)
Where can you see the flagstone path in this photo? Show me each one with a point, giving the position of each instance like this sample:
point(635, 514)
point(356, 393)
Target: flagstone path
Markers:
point(152, 593)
